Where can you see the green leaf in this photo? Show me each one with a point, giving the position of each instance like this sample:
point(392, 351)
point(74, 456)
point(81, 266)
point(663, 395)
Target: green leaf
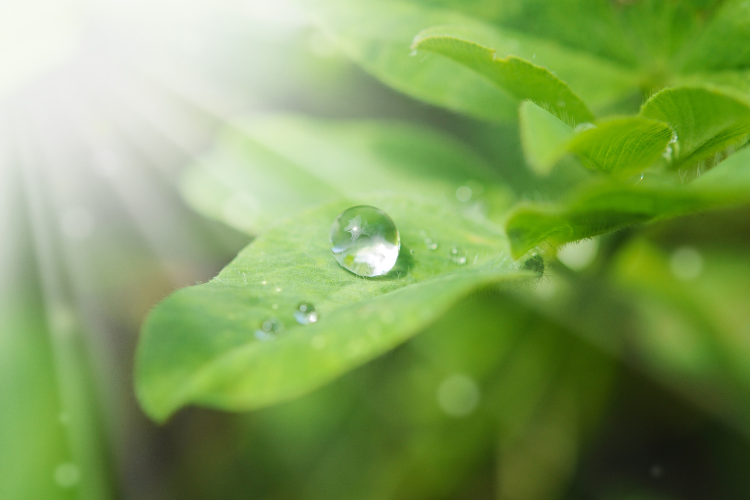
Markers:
point(600, 207)
point(519, 78)
point(198, 346)
point(378, 35)
point(707, 121)
point(619, 146)
point(265, 169)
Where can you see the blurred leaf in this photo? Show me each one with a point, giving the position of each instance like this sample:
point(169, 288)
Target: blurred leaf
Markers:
point(198, 345)
point(600, 207)
point(620, 146)
point(516, 76)
point(708, 121)
point(265, 169)
point(723, 43)
point(693, 321)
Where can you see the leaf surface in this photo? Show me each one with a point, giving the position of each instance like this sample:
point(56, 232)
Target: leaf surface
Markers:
point(262, 170)
point(199, 345)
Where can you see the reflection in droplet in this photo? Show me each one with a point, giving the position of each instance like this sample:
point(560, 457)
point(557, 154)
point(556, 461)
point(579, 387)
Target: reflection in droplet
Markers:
point(305, 313)
point(458, 395)
point(268, 330)
point(67, 475)
point(686, 263)
point(365, 241)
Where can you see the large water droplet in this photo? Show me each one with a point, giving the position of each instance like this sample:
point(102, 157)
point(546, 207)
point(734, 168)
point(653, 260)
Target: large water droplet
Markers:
point(305, 313)
point(268, 330)
point(365, 241)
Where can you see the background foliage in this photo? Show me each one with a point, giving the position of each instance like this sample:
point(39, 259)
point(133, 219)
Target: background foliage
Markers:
point(566, 319)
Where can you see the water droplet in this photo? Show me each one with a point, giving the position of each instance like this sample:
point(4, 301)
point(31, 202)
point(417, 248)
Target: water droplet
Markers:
point(431, 245)
point(365, 241)
point(305, 313)
point(458, 395)
point(584, 126)
point(268, 330)
point(278, 289)
point(458, 256)
point(264, 282)
point(67, 475)
point(686, 263)
point(463, 193)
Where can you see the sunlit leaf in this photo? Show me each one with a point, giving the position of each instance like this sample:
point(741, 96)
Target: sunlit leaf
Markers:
point(378, 36)
point(517, 77)
point(263, 170)
point(199, 345)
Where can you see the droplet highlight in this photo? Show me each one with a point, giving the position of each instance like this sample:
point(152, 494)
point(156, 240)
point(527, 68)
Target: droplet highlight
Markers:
point(306, 313)
point(365, 241)
point(458, 256)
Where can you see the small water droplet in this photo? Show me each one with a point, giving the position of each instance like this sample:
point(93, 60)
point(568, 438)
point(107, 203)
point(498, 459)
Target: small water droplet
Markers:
point(306, 313)
point(458, 395)
point(458, 256)
point(268, 330)
point(278, 289)
point(365, 241)
point(584, 126)
point(412, 251)
point(264, 282)
point(67, 475)
point(463, 193)
point(431, 245)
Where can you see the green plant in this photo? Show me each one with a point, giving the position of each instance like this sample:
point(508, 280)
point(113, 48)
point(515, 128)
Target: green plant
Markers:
point(642, 108)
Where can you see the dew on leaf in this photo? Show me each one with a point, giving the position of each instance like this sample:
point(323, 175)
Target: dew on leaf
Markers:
point(365, 241)
point(268, 330)
point(458, 256)
point(306, 313)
